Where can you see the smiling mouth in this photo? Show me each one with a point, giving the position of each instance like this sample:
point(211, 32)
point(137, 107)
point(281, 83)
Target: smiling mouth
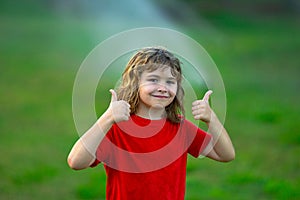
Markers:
point(160, 96)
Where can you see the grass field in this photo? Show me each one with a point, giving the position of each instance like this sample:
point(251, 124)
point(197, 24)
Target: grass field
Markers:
point(257, 57)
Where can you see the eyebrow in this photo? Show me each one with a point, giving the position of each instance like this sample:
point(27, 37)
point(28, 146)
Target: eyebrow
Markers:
point(156, 76)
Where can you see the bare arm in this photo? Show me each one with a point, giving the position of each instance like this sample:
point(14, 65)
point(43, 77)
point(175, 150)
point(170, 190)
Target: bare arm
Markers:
point(83, 153)
point(221, 148)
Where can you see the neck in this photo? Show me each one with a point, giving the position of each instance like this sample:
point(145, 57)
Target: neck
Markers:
point(152, 113)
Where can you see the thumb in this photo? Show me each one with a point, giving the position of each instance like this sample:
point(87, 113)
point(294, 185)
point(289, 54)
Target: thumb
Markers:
point(207, 95)
point(114, 96)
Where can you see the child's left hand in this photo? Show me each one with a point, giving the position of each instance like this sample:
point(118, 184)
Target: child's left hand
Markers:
point(201, 109)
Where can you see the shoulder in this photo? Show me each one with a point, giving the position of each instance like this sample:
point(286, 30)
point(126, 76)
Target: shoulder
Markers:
point(186, 123)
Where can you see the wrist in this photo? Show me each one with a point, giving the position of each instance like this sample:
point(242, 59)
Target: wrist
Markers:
point(212, 119)
point(213, 122)
point(106, 117)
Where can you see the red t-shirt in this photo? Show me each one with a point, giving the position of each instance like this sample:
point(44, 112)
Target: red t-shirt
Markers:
point(146, 159)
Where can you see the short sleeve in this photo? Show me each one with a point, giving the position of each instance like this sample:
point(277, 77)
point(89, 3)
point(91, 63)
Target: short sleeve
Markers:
point(200, 141)
point(95, 163)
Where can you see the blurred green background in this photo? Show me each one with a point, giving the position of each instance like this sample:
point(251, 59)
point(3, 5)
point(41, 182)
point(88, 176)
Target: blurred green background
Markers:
point(255, 44)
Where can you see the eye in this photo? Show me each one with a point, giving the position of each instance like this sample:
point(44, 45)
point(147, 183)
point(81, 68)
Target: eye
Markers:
point(171, 82)
point(153, 80)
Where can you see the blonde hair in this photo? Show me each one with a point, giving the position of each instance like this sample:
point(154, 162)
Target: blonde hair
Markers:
point(150, 59)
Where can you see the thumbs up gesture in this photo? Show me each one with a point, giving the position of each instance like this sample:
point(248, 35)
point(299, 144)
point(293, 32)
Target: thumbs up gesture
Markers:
point(119, 109)
point(201, 109)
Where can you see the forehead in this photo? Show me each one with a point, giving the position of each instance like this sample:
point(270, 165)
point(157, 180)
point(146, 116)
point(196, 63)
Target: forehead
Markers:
point(165, 72)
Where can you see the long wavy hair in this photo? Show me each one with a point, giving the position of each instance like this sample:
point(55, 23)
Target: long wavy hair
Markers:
point(150, 59)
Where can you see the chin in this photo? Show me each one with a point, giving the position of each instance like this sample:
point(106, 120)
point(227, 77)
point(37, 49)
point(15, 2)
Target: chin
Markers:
point(158, 106)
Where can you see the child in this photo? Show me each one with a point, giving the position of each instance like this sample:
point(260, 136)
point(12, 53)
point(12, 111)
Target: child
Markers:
point(143, 138)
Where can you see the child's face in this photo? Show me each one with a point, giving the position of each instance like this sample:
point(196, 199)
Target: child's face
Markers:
point(157, 89)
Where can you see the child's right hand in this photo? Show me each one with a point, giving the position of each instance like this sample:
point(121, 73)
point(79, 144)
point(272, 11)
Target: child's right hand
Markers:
point(119, 109)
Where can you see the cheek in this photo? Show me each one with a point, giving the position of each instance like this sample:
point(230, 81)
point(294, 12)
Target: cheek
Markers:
point(146, 88)
point(173, 90)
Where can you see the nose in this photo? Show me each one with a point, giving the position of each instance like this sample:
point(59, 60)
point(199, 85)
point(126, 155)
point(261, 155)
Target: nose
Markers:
point(161, 88)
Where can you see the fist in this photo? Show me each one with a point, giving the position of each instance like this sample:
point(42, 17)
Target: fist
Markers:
point(201, 109)
point(119, 110)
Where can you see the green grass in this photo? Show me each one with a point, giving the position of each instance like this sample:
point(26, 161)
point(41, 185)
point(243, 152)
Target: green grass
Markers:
point(257, 58)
